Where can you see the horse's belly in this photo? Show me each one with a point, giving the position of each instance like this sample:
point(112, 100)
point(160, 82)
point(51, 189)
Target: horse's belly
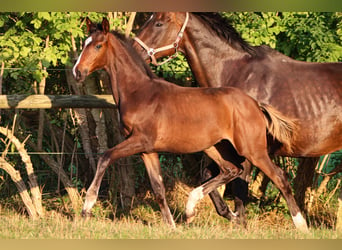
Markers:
point(188, 140)
point(315, 140)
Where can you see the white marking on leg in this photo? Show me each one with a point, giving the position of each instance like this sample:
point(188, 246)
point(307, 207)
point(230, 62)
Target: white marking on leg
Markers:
point(300, 222)
point(194, 197)
point(90, 199)
point(86, 43)
point(88, 204)
point(235, 214)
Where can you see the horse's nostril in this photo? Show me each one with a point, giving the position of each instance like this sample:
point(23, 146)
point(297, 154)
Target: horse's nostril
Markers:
point(78, 75)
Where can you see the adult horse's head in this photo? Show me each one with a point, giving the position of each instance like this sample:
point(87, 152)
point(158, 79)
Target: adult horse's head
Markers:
point(162, 35)
point(93, 56)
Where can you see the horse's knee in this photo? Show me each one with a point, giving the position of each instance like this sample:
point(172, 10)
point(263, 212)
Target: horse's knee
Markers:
point(158, 190)
point(231, 173)
point(160, 197)
point(104, 160)
point(210, 171)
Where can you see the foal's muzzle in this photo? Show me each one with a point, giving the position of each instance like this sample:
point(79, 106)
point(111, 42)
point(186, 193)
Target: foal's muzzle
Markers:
point(79, 75)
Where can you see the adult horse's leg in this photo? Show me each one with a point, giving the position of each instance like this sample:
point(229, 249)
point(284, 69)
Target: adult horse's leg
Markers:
point(278, 176)
point(128, 147)
point(239, 190)
point(154, 172)
point(228, 172)
point(238, 186)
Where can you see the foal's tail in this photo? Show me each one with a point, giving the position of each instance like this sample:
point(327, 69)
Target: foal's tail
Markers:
point(281, 127)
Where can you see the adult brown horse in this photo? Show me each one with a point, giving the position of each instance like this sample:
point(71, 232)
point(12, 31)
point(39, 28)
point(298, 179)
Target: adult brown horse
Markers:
point(218, 56)
point(159, 116)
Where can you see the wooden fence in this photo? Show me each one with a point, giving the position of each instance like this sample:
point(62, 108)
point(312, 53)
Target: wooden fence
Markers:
point(56, 101)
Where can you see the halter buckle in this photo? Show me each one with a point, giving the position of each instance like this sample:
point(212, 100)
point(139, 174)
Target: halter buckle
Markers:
point(151, 52)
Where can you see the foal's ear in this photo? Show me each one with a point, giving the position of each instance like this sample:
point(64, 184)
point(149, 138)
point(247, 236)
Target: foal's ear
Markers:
point(105, 25)
point(90, 24)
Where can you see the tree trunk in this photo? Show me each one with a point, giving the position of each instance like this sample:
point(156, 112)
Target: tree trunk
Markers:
point(1, 77)
point(259, 185)
point(339, 213)
point(75, 198)
point(129, 25)
point(81, 116)
point(18, 181)
point(35, 191)
point(42, 111)
point(304, 180)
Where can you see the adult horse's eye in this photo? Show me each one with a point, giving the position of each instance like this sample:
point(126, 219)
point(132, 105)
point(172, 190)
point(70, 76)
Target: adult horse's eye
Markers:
point(159, 24)
point(99, 46)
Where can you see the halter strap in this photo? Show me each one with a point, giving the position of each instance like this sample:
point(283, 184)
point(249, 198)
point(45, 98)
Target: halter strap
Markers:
point(151, 51)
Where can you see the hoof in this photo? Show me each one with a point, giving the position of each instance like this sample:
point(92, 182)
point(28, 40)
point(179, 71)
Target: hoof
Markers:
point(300, 223)
point(86, 214)
point(190, 219)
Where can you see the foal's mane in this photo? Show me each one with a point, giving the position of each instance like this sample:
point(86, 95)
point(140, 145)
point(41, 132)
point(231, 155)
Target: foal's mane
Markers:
point(223, 28)
point(128, 44)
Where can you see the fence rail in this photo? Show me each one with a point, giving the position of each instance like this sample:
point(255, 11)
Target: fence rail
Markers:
point(56, 101)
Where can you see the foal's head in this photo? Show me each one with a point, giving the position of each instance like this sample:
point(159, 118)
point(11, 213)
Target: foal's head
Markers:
point(94, 55)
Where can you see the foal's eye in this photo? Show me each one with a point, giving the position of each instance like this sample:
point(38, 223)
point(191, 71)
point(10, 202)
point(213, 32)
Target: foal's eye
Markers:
point(159, 24)
point(99, 46)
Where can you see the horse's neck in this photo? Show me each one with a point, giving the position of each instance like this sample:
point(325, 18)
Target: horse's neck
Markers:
point(125, 75)
point(204, 52)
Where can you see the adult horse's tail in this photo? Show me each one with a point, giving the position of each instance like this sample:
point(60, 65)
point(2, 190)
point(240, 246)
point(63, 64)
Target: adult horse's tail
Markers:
point(281, 127)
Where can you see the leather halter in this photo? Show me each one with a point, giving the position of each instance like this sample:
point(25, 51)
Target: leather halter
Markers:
point(151, 51)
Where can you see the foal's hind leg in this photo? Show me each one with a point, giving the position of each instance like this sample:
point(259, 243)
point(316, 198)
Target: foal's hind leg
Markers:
point(239, 187)
point(228, 172)
point(154, 172)
point(220, 205)
point(277, 175)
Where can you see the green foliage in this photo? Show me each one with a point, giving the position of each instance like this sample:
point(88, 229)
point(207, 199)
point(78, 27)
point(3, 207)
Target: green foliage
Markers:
point(335, 159)
point(257, 28)
point(311, 36)
point(177, 70)
point(306, 36)
point(32, 41)
point(172, 169)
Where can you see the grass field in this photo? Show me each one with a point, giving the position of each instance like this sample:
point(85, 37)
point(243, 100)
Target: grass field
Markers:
point(57, 226)
point(144, 222)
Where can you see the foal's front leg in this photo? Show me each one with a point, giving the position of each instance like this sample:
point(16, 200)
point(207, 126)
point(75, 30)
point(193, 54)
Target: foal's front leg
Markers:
point(130, 146)
point(154, 172)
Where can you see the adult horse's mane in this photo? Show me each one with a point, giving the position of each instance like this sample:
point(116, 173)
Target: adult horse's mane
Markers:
point(223, 28)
